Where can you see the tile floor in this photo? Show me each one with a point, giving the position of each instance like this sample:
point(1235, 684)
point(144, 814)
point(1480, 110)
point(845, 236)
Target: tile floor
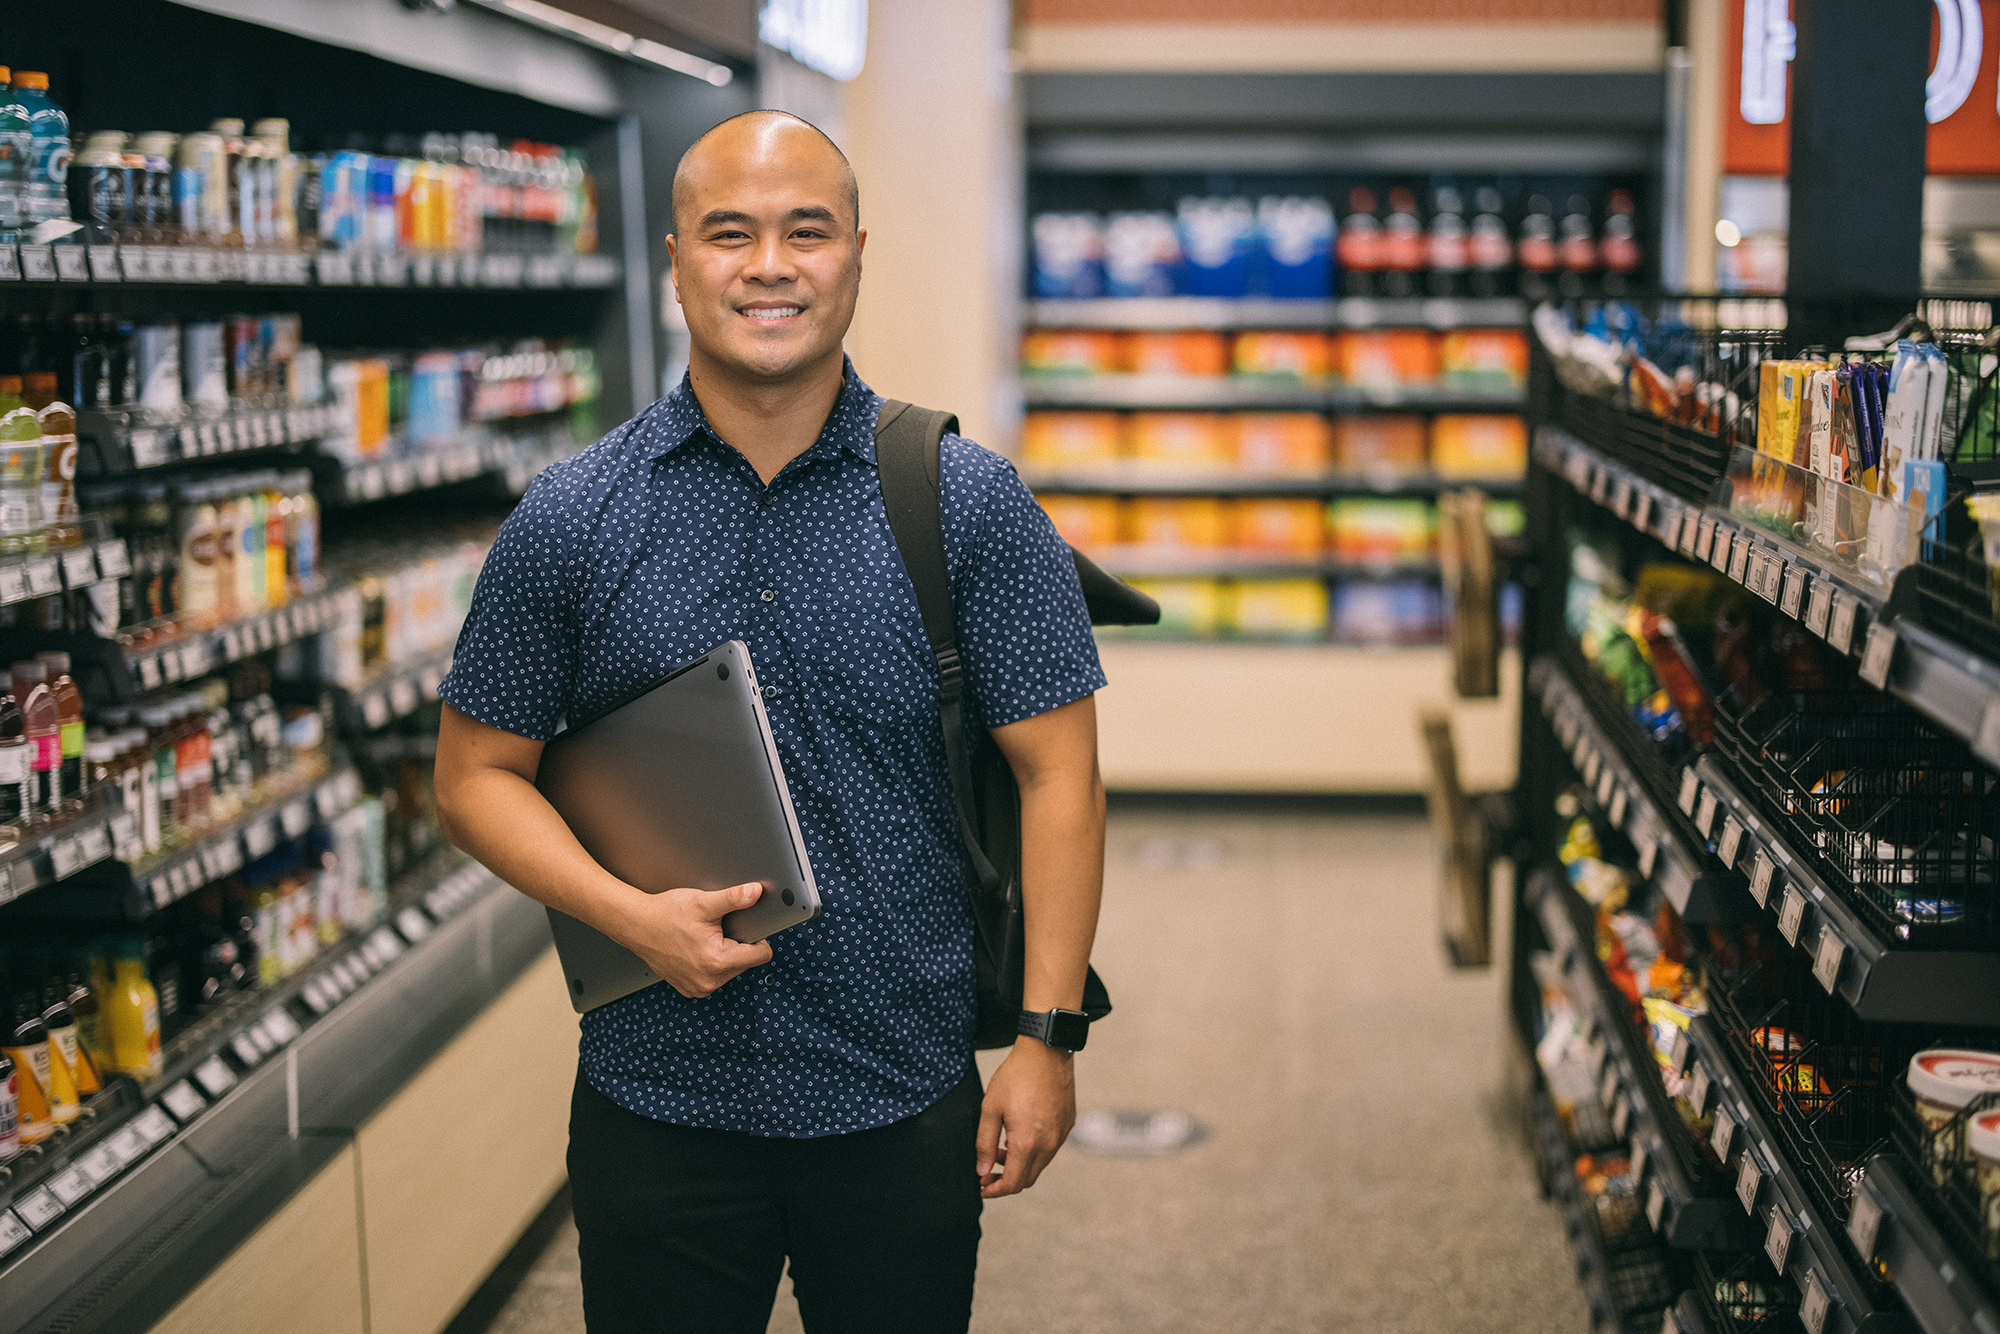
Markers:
point(1278, 975)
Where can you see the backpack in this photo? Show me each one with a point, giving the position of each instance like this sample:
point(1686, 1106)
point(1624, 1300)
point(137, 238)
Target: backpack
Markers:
point(983, 789)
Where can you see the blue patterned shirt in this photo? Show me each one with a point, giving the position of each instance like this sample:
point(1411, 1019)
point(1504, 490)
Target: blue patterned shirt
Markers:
point(660, 542)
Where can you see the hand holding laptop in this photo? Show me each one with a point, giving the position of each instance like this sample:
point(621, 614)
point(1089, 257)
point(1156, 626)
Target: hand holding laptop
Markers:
point(678, 933)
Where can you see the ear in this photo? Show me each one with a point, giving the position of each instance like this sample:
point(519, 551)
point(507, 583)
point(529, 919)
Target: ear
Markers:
point(674, 264)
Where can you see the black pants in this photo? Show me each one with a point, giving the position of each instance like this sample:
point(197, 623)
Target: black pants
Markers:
point(684, 1229)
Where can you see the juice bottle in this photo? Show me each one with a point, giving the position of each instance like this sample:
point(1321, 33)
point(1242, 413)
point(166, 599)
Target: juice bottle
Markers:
point(59, 514)
point(191, 759)
point(20, 470)
point(229, 137)
point(26, 1043)
point(44, 732)
point(277, 514)
point(69, 723)
point(48, 148)
point(10, 1102)
point(15, 768)
point(132, 1013)
point(93, 1051)
point(65, 1054)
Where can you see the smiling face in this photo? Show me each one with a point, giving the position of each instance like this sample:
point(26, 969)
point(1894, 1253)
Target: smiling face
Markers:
point(766, 251)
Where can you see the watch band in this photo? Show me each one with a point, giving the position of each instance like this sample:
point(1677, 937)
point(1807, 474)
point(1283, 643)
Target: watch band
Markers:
point(1065, 1030)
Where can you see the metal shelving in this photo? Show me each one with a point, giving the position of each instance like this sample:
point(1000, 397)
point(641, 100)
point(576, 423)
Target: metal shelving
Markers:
point(1196, 312)
point(72, 262)
point(1269, 394)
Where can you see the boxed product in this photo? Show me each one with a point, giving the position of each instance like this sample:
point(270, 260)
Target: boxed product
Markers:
point(1216, 239)
point(1393, 611)
point(1061, 441)
point(1141, 252)
point(1177, 352)
point(361, 407)
point(1484, 360)
point(1781, 409)
point(1369, 531)
point(1295, 236)
point(1177, 522)
point(1505, 518)
point(1187, 606)
point(1088, 523)
point(1294, 353)
point(1479, 445)
point(1380, 443)
point(1278, 608)
point(1291, 443)
point(1293, 527)
point(1386, 358)
point(1068, 254)
point(1178, 441)
point(1086, 351)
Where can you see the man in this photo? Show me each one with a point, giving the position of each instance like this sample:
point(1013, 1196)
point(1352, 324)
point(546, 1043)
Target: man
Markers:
point(812, 1097)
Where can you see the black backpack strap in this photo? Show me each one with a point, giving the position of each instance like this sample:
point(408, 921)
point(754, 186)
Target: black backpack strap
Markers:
point(906, 459)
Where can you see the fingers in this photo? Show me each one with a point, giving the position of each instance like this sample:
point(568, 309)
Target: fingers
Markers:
point(1018, 1164)
point(987, 1153)
point(720, 903)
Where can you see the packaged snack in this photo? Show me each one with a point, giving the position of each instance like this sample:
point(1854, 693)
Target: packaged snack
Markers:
point(1293, 527)
point(1187, 606)
point(1278, 608)
point(1299, 354)
point(1780, 402)
point(1216, 236)
point(1295, 235)
point(1088, 523)
point(1183, 523)
point(1177, 352)
point(1082, 351)
point(1942, 1082)
point(1141, 252)
point(1484, 360)
point(1385, 443)
point(1177, 441)
point(1381, 532)
point(1396, 611)
point(1060, 441)
point(1291, 443)
point(1386, 358)
point(1479, 445)
point(1068, 254)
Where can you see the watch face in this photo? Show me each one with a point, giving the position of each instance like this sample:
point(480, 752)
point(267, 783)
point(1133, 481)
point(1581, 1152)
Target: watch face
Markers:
point(1068, 1029)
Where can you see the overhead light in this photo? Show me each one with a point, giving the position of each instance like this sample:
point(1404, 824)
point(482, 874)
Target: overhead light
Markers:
point(615, 40)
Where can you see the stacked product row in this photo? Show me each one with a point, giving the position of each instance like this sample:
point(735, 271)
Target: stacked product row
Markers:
point(1464, 361)
point(1377, 448)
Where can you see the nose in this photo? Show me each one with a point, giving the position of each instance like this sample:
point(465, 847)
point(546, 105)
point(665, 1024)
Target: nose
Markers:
point(770, 262)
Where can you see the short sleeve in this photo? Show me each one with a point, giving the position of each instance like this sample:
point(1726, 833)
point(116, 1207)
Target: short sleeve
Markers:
point(1022, 624)
point(515, 663)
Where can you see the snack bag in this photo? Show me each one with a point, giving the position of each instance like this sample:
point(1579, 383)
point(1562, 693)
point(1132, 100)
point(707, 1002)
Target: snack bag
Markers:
point(1061, 441)
point(1298, 444)
point(1088, 523)
point(1292, 527)
point(1384, 443)
point(1178, 523)
point(1177, 441)
point(1177, 352)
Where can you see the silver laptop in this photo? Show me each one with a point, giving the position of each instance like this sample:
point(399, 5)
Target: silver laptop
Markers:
point(678, 786)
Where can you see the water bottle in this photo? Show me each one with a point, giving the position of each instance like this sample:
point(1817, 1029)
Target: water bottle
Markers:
point(15, 147)
point(48, 153)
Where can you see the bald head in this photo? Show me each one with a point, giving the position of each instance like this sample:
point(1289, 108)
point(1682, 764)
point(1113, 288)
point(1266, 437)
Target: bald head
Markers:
point(760, 141)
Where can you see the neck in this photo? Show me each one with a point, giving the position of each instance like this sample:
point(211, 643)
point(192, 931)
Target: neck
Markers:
point(768, 423)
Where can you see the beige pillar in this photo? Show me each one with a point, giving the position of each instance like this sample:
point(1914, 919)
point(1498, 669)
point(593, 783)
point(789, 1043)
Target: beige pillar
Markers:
point(931, 128)
point(1704, 142)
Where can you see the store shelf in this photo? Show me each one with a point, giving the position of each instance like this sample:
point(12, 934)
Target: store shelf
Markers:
point(404, 467)
point(228, 847)
point(1835, 1297)
point(1195, 312)
point(117, 440)
point(203, 266)
point(69, 569)
point(1687, 1203)
point(1700, 889)
point(1221, 563)
point(150, 661)
point(1120, 481)
point(166, 1183)
point(1880, 981)
point(1145, 392)
point(394, 693)
point(1890, 1230)
point(42, 858)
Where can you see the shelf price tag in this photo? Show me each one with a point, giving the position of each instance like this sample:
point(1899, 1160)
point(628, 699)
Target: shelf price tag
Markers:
point(214, 1077)
point(125, 843)
point(1827, 958)
point(1621, 498)
point(1730, 842)
point(1814, 1305)
point(65, 857)
point(413, 924)
point(1642, 510)
point(1656, 1203)
point(1723, 1134)
point(1617, 812)
point(1778, 1241)
point(1817, 607)
point(44, 576)
point(1760, 877)
point(70, 1186)
point(1988, 742)
point(296, 819)
point(1793, 592)
point(79, 567)
point(1792, 915)
point(1698, 1089)
point(1864, 1225)
point(1621, 1115)
point(1739, 560)
point(246, 1052)
point(1649, 856)
point(1592, 763)
point(13, 583)
point(13, 1232)
point(1748, 1179)
point(1840, 629)
point(1704, 814)
point(38, 1208)
point(1607, 1086)
point(1690, 537)
point(1690, 789)
point(1879, 652)
point(1681, 1052)
point(1704, 537)
point(1638, 1160)
point(1606, 780)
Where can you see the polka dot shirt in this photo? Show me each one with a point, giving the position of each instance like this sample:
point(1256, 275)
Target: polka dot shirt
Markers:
point(660, 542)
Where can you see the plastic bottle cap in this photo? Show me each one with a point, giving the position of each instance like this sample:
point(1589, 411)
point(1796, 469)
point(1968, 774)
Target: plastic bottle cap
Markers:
point(41, 380)
point(1954, 1076)
point(32, 78)
point(6, 75)
point(100, 752)
point(10, 384)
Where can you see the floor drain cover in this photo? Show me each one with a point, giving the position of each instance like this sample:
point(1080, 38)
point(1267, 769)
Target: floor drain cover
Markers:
point(1140, 1134)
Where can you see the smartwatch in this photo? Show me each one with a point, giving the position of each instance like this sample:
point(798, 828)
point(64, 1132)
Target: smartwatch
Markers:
point(1065, 1030)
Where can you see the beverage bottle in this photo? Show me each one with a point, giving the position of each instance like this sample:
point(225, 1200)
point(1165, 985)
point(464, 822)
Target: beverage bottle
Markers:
point(1536, 251)
point(69, 725)
point(16, 768)
point(1618, 248)
point(93, 1051)
point(153, 817)
point(1402, 244)
point(103, 769)
point(43, 727)
point(252, 565)
point(48, 151)
point(153, 520)
point(65, 1053)
point(78, 374)
point(302, 533)
point(228, 535)
point(192, 754)
point(1359, 246)
point(99, 184)
point(28, 348)
point(59, 513)
point(1448, 244)
point(274, 134)
point(1488, 247)
point(1577, 249)
point(229, 144)
point(251, 209)
point(10, 1098)
point(16, 150)
point(132, 1013)
point(277, 518)
point(197, 592)
point(159, 724)
point(20, 470)
point(158, 216)
point(120, 364)
point(25, 1042)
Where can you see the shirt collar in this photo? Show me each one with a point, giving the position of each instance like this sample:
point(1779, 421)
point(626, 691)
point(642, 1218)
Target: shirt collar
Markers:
point(678, 417)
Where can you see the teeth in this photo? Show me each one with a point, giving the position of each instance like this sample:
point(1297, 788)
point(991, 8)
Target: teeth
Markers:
point(782, 312)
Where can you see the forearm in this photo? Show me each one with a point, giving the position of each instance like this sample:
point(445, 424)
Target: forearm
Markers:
point(1062, 882)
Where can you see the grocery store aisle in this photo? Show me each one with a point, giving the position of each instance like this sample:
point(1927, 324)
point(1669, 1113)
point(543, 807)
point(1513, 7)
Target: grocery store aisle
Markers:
point(1277, 975)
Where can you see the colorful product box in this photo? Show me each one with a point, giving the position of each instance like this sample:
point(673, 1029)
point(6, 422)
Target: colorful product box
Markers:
point(1062, 441)
point(1381, 532)
point(1278, 608)
point(1068, 254)
point(1484, 359)
point(1293, 444)
point(1292, 527)
point(1178, 441)
point(1479, 445)
point(1088, 523)
point(1386, 612)
point(1177, 352)
point(1292, 354)
point(1183, 523)
point(1386, 358)
point(1187, 606)
point(1080, 351)
point(1384, 443)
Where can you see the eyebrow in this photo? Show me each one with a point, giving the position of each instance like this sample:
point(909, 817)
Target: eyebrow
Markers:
point(809, 212)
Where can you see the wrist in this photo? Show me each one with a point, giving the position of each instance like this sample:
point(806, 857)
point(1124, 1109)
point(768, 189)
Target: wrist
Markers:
point(1039, 1050)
